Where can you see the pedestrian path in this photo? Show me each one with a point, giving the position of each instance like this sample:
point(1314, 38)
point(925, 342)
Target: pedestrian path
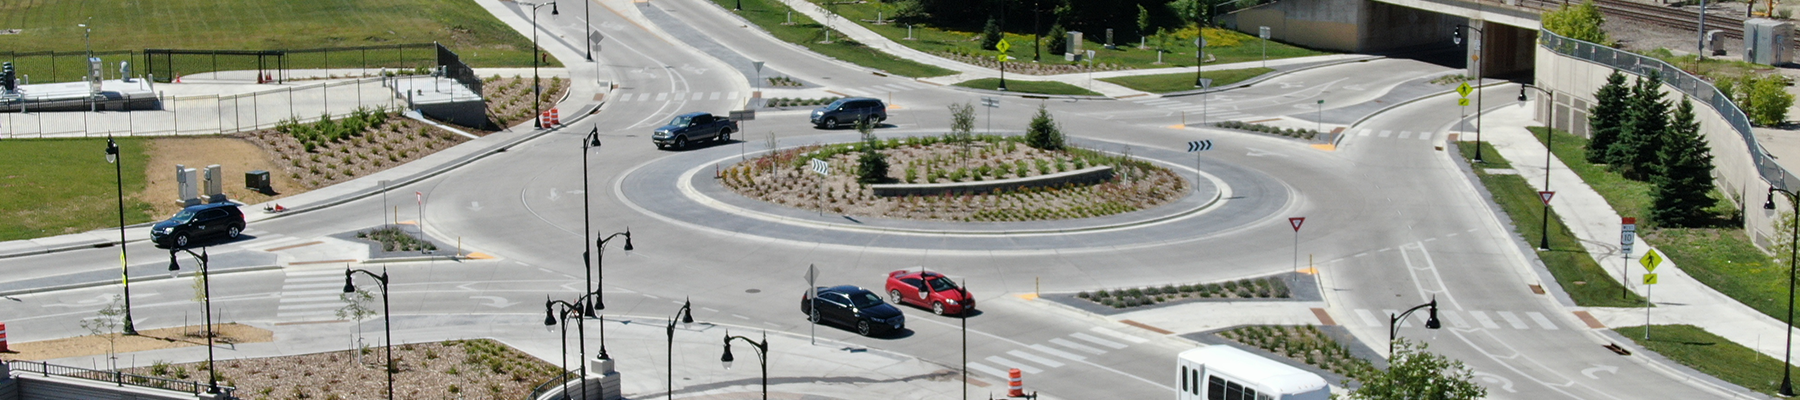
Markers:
point(1476, 319)
point(311, 293)
point(878, 90)
point(674, 96)
point(1073, 347)
point(1376, 133)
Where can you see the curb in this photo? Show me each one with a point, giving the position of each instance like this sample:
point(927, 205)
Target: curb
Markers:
point(147, 278)
point(1365, 118)
point(1264, 77)
point(1029, 95)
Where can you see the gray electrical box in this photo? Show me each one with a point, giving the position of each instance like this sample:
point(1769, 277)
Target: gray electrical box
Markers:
point(258, 180)
point(187, 186)
point(215, 184)
point(1074, 43)
point(1768, 41)
point(1715, 43)
point(94, 75)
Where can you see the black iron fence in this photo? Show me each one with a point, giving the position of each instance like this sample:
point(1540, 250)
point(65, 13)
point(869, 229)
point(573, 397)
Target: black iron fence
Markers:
point(114, 377)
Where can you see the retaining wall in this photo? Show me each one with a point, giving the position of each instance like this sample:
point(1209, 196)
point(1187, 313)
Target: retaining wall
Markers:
point(1083, 176)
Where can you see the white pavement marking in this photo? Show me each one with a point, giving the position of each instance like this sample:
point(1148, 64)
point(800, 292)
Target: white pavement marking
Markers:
point(1059, 353)
point(1456, 320)
point(715, 96)
point(1405, 323)
point(662, 96)
point(1513, 319)
point(1367, 318)
point(1405, 134)
point(854, 92)
point(1077, 346)
point(1482, 318)
point(624, 97)
point(1425, 135)
point(699, 96)
point(1034, 358)
point(1364, 132)
point(1385, 133)
point(1098, 341)
point(1120, 335)
point(916, 85)
point(1541, 320)
point(996, 372)
point(1014, 364)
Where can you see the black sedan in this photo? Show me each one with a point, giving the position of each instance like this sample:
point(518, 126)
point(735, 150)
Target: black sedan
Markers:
point(853, 306)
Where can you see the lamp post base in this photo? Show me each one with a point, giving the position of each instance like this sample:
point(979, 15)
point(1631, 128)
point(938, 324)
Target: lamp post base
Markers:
point(604, 381)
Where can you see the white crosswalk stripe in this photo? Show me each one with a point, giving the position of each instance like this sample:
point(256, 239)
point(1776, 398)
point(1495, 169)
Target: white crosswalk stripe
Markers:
point(1364, 132)
point(1077, 346)
point(854, 92)
point(715, 96)
point(1014, 364)
point(1405, 134)
point(1091, 339)
point(1456, 320)
point(996, 372)
point(623, 97)
point(1386, 133)
point(1425, 135)
point(1035, 358)
point(1482, 318)
point(1119, 335)
point(311, 293)
point(916, 85)
point(1367, 318)
point(1403, 323)
point(1541, 320)
point(1059, 353)
point(662, 96)
point(1512, 319)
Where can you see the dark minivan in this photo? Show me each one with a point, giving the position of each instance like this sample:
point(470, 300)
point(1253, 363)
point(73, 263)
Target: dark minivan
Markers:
point(853, 306)
point(198, 221)
point(848, 110)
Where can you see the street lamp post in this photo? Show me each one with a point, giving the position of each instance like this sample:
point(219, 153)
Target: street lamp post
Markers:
point(112, 157)
point(550, 318)
point(1787, 355)
point(212, 375)
point(599, 296)
point(387, 322)
point(762, 357)
point(587, 29)
point(1394, 322)
point(1549, 137)
point(686, 315)
point(1456, 37)
point(536, 89)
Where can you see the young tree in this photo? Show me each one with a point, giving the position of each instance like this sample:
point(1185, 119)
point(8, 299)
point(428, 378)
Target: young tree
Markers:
point(356, 308)
point(990, 34)
point(1414, 373)
point(1143, 24)
point(1767, 100)
point(1044, 133)
point(106, 324)
point(1059, 40)
point(1646, 117)
point(872, 166)
point(1580, 21)
point(1607, 116)
point(1681, 190)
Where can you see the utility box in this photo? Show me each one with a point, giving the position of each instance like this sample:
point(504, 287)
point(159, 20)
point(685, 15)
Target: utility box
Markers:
point(258, 180)
point(1715, 42)
point(1109, 39)
point(215, 184)
point(1073, 43)
point(1768, 41)
point(187, 183)
point(94, 75)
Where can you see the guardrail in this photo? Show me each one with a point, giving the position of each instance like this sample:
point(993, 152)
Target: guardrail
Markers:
point(114, 377)
point(1702, 91)
point(544, 388)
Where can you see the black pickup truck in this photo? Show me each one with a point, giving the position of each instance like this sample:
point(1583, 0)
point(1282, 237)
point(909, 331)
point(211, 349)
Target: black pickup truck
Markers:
point(692, 127)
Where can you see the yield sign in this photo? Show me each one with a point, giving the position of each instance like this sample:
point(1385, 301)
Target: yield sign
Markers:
point(1545, 196)
point(1296, 221)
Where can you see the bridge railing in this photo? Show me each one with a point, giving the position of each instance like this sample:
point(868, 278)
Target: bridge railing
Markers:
point(113, 377)
point(1701, 90)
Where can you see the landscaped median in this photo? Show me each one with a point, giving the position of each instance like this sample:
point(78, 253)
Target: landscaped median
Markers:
point(1710, 354)
point(1184, 81)
point(1038, 87)
point(772, 16)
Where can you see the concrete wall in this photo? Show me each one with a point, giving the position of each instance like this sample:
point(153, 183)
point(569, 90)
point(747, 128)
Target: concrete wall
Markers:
point(1389, 26)
point(38, 387)
point(1084, 176)
point(1345, 25)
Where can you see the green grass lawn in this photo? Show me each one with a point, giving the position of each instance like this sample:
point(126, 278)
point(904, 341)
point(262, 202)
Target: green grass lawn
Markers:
point(462, 25)
point(1583, 279)
point(60, 186)
point(805, 32)
point(1185, 81)
point(1049, 87)
point(1710, 354)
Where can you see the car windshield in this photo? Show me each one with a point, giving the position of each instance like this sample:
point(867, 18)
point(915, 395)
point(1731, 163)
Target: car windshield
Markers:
point(864, 299)
point(183, 216)
point(679, 121)
point(942, 285)
point(837, 104)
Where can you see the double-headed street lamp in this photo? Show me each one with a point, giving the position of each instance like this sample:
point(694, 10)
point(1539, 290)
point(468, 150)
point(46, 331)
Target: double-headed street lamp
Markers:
point(583, 309)
point(686, 315)
point(1787, 355)
point(599, 302)
point(762, 356)
point(112, 157)
point(387, 323)
point(536, 89)
point(551, 315)
point(1456, 37)
point(1394, 322)
point(212, 374)
point(1549, 136)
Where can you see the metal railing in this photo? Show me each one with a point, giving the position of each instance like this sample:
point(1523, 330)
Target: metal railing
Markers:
point(555, 382)
point(1701, 90)
point(114, 377)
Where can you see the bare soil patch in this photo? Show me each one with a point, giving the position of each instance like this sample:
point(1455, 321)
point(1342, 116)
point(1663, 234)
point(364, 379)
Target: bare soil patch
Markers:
point(509, 99)
point(147, 339)
point(456, 369)
point(234, 155)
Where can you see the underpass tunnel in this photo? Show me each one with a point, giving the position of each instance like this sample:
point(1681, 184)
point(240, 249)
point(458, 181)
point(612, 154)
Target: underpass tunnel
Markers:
point(1414, 29)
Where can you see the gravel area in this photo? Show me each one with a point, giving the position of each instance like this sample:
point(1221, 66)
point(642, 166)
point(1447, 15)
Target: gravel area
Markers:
point(457, 369)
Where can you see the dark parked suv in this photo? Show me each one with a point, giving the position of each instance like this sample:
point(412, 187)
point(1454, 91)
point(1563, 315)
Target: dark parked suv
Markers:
point(196, 222)
point(853, 306)
point(846, 111)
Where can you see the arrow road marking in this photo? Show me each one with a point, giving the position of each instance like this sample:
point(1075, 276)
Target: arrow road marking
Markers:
point(553, 195)
point(1599, 367)
point(494, 301)
point(474, 206)
point(1505, 384)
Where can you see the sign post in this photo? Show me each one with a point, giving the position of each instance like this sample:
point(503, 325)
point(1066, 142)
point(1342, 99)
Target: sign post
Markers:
point(1295, 222)
point(1627, 236)
point(1650, 261)
point(812, 295)
point(1196, 147)
point(1263, 32)
point(823, 169)
point(1001, 57)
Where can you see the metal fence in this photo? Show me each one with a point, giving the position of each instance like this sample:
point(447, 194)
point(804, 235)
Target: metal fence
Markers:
point(166, 64)
point(114, 377)
point(64, 66)
point(1700, 89)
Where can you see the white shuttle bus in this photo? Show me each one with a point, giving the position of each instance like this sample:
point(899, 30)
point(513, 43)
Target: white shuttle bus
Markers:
point(1226, 373)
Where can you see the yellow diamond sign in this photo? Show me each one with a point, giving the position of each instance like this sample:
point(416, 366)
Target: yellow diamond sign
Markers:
point(1650, 260)
point(1463, 89)
point(1002, 46)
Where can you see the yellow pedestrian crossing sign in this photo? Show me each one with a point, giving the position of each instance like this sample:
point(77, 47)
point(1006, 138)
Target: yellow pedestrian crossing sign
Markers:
point(1463, 89)
point(1649, 279)
point(1650, 260)
point(1462, 102)
point(1002, 46)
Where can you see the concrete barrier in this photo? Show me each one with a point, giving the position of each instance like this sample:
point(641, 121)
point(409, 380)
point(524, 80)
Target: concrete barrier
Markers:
point(1082, 176)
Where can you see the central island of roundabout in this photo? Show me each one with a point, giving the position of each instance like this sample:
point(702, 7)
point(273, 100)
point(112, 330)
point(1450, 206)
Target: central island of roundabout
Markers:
point(1094, 195)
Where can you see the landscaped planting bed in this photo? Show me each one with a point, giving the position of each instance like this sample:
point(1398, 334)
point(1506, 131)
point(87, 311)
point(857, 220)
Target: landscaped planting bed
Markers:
point(798, 102)
point(509, 99)
point(324, 152)
point(783, 178)
point(394, 239)
point(465, 369)
point(1260, 128)
point(1150, 295)
point(1305, 344)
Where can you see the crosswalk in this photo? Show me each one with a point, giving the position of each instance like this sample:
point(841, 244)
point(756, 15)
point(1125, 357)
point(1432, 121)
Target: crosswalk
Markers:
point(311, 292)
point(1452, 318)
point(878, 90)
point(1212, 112)
point(1056, 353)
point(1396, 135)
point(676, 96)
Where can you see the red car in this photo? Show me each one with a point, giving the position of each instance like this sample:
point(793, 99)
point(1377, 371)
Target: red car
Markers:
point(929, 289)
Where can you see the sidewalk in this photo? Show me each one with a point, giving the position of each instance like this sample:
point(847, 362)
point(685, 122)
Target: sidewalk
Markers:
point(639, 346)
point(1679, 298)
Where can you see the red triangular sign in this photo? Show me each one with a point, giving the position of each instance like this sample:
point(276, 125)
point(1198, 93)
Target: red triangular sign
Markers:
point(1545, 196)
point(1296, 221)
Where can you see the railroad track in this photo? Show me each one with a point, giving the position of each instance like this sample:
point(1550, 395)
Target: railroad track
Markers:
point(1683, 19)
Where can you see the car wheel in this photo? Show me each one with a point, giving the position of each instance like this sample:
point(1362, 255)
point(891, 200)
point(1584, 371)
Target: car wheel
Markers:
point(234, 231)
point(681, 142)
point(863, 328)
point(831, 123)
point(181, 240)
point(937, 307)
point(894, 294)
point(813, 317)
point(724, 135)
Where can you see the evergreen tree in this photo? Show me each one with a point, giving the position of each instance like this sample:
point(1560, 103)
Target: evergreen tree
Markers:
point(1059, 40)
point(1414, 373)
point(1682, 185)
point(871, 166)
point(1646, 119)
point(990, 34)
point(1044, 133)
point(1607, 116)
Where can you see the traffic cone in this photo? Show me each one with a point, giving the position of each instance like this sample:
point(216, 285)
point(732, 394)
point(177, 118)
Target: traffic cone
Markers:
point(178, 79)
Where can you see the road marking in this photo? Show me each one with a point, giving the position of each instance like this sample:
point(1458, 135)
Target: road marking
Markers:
point(1367, 318)
point(741, 317)
point(1386, 133)
point(699, 96)
point(709, 309)
point(1034, 358)
point(314, 285)
point(1014, 364)
point(733, 95)
point(854, 92)
point(1482, 318)
point(311, 306)
point(1120, 335)
point(304, 314)
point(715, 96)
point(1077, 346)
point(1513, 319)
point(624, 97)
point(1059, 353)
point(1405, 322)
point(916, 85)
point(1455, 319)
point(1405, 134)
point(989, 370)
point(1098, 341)
point(662, 96)
point(1541, 320)
point(1425, 135)
point(1364, 132)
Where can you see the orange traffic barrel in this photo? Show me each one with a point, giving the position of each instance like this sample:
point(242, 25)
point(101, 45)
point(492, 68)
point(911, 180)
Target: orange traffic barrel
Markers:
point(1015, 384)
